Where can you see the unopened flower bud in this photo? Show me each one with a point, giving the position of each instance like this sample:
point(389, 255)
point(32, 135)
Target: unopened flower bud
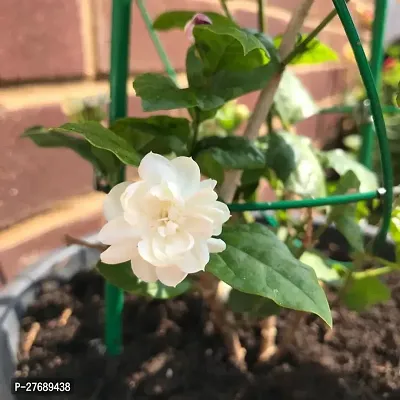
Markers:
point(198, 19)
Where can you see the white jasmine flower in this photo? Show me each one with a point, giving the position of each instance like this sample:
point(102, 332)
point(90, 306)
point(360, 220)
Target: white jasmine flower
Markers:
point(198, 19)
point(164, 223)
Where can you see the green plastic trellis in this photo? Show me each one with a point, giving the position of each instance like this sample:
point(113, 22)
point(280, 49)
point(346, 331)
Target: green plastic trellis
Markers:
point(370, 73)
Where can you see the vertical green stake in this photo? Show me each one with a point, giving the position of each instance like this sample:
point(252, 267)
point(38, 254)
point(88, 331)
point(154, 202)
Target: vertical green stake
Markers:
point(120, 32)
point(378, 35)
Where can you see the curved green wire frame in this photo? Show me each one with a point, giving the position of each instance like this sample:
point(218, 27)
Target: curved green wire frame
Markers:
point(121, 15)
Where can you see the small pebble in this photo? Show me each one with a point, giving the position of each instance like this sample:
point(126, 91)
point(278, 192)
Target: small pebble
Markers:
point(169, 374)
point(208, 352)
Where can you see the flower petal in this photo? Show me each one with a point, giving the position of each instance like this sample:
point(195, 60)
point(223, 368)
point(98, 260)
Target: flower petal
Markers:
point(216, 245)
point(112, 207)
point(118, 253)
point(199, 226)
point(146, 251)
point(203, 197)
point(188, 173)
point(143, 270)
point(116, 230)
point(208, 184)
point(170, 276)
point(179, 243)
point(154, 168)
point(196, 259)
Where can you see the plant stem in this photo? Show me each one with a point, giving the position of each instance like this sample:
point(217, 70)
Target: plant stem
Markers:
point(269, 123)
point(261, 18)
point(266, 97)
point(71, 241)
point(226, 9)
point(302, 47)
point(195, 128)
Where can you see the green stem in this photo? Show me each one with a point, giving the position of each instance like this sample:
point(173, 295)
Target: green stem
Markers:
point(156, 40)
point(261, 18)
point(375, 272)
point(195, 128)
point(226, 9)
point(269, 123)
point(302, 47)
point(121, 13)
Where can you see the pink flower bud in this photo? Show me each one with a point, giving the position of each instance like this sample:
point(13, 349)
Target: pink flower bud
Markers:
point(198, 19)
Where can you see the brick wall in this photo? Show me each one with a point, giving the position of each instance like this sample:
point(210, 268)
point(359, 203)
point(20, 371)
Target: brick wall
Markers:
point(54, 49)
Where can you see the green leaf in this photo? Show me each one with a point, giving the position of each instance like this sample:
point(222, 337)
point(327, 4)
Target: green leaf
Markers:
point(364, 292)
point(103, 138)
point(279, 155)
point(321, 267)
point(228, 48)
point(121, 275)
point(159, 134)
point(255, 306)
point(159, 92)
point(294, 161)
point(292, 100)
point(316, 52)
point(102, 160)
point(268, 43)
point(344, 216)
point(342, 162)
point(257, 262)
point(178, 19)
point(232, 152)
point(210, 167)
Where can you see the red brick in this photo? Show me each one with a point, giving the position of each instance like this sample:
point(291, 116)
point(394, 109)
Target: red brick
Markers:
point(32, 178)
point(39, 40)
point(321, 129)
point(14, 260)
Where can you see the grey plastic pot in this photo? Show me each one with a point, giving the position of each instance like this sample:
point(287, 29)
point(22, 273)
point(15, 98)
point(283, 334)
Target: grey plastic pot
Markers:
point(62, 265)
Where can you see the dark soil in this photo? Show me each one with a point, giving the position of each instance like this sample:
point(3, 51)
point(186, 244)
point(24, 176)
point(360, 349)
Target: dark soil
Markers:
point(171, 351)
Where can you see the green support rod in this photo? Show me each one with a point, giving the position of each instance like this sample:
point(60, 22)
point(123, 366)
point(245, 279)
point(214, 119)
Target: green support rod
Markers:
point(121, 16)
point(156, 40)
point(289, 204)
point(376, 110)
point(378, 34)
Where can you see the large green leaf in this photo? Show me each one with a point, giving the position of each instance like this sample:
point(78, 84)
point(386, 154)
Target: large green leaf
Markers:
point(292, 100)
point(365, 291)
point(257, 262)
point(102, 160)
point(103, 138)
point(315, 53)
point(177, 19)
point(294, 161)
point(268, 43)
point(159, 92)
point(322, 268)
point(255, 306)
point(279, 155)
point(228, 48)
point(159, 134)
point(121, 275)
point(344, 215)
point(342, 162)
point(232, 152)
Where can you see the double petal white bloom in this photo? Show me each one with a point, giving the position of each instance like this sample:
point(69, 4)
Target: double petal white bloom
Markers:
point(165, 222)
